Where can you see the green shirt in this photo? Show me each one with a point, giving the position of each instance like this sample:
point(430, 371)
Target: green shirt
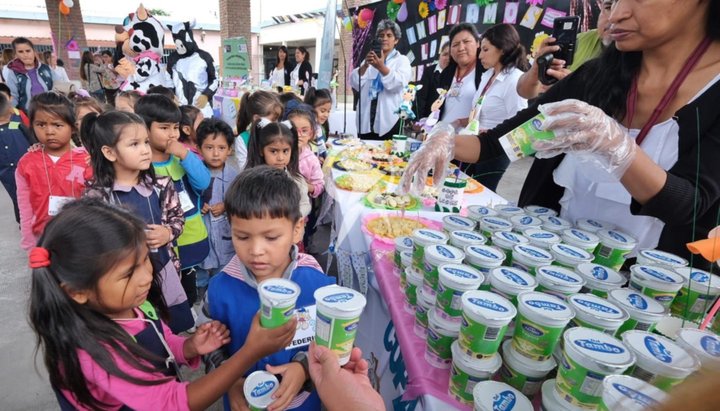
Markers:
point(589, 46)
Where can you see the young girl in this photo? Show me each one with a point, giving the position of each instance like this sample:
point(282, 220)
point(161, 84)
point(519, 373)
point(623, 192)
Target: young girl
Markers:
point(96, 308)
point(276, 145)
point(123, 175)
point(125, 100)
point(253, 106)
point(321, 101)
point(84, 106)
point(189, 122)
point(50, 177)
point(303, 121)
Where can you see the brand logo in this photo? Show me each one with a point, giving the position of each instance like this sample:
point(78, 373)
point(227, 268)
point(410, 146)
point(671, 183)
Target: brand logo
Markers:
point(537, 124)
point(532, 330)
point(711, 345)
point(482, 210)
point(526, 220)
point(339, 298)
point(635, 395)
point(617, 237)
point(599, 346)
point(533, 252)
point(262, 389)
point(580, 235)
point(541, 210)
point(657, 274)
point(460, 221)
point(596, 307)
point(443, 251)
point(496, 222)
point(430, 234)
point(600, 273)
point(542, 235)
point(279, 289)
point(637, 301)
point(546, 305)
point(468, 236)
point(657, 349)
point(664, 298)
point(485, 253)
point(461, 273)
point(594, 223)
point(490, 305)
point(432, 334)
point(407, 242)
point(504, 401)
point(351, 327)
point(513, 277)
point(570, 251)
point(560, 276)
point(662, 257)
point(509, 236)
point(699, 277)
point(511, 209)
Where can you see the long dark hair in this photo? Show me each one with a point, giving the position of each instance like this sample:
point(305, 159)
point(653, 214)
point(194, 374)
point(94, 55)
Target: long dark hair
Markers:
point(318, 97)
point(259, 103)
point(286, 60)
point(507, 39)
point(305, 53)
point(58, 105)
point(457, 29)
point(189, 115)
point(85, 241)
point(261, 136)
point(87, 58)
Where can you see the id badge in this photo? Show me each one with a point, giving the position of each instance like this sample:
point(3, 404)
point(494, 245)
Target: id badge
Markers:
point(185, 201)
point(56, 203)
point(305, 331)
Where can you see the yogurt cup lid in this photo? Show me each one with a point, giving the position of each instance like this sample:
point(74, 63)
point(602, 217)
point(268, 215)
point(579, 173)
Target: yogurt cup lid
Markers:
point(663, 258)
point(525, 365)
point(703, 343)
point(467, 236)
point(565, 252)
point(441, 254)
point(700, 281)
point(259, 388)
point(475, 366)
point(551, 400)
point(597, 350)
point(552, 274)
point(538, 236)
point(630, 393)
point(341, 300)
point(654, 273)
point(580, 236)
point(636, 303)
point(488, 305)
point(427, 236)
point(498, 396)
point(513, 278)
point(508, 210)
point(481, 211)
point(404, 243)
point(460, 275)
point(660, 355)
point(544, 307)
point(525, 221)
point(496, 223)
point(508, 238)
point(406, 257)
point(538, 211)
point(427, 300)
point(485, 253)
point(591, 305)
point(616, 239)
point(533, 253)
point(413, 276)
point(593, 225)
point(553, 221)
point(598, 274)
point(459, 222)
point(444, 326)
point(277, 291)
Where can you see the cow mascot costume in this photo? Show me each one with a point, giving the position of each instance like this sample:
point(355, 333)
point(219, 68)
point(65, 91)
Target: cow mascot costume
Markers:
point(192, 70)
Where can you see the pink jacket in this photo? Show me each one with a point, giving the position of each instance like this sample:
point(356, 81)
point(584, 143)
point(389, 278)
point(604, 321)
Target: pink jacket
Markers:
point(311, 170)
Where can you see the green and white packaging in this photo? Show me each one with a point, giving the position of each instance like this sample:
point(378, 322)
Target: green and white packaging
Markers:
point(440, 336)
point(465, 238)
point(592, 225)
point(484, 257)
point(704, 344)
point(414, 282)
point(644, 312)
point(510, 282)
point(259, 388)
point(454, 222)
point(402, 244)
point(581, 239)
point(541, 238)
point(455, 279)
point(338, 315)
point(660, 284)
point(555, 224)
point(569, 256)
point(539, 324)
point(505, 241)
point(661, 258)
point(522, 373)
point(699, 291)
point(538, 211)
point(507, 211)
point(435, 256)
point(466, 371)
point(424, 237)
point(596, 313)
point(277, 301)
point(558, 281)
point(405, 263)
point(551, 400)
point(477, 212)
point(614, 246)
point(523, 222)
point(489, 225)
point(518, 143)
point(485, 319)
point(625, 393)
point(529, 257)
point(599, 280)
point(425, 303)
point(498, 396)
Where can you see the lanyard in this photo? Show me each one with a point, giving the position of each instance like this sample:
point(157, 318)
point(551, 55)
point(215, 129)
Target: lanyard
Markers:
point(669, 94)
point(486, 88)
point(47, 173)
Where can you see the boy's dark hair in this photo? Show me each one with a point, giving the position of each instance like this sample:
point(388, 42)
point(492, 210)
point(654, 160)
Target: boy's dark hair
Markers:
point(214, 126)
point(157, 108)
point(263, 192)
point(261, 136)
point(162, 90)
point(5, 89)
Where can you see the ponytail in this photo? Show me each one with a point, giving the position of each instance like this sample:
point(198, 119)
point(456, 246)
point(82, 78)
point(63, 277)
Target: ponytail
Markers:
point(244, 116)
point(259, 103)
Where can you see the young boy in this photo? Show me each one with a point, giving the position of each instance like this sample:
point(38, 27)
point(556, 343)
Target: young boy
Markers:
point(14, 143)
point(191, 177)
point(263, 206)
point(215, 139)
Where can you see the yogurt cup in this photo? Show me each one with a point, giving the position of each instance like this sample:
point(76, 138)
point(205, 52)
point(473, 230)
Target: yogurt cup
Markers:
point(596, 313)
point(402, 244)
point(539, 324)
point(506, 240)
point(498, 396)
point(529, 257)
point(705, 345)
point(508, 211)
point(538, 211)
point(489, 225)
point(588, 357)
point(592, 225)
point(511, 282)
point(551, 400)
point(581, 239)
point(485, 318)
point(599, 280)
point(555, 224)
point(644, 312)
point(465, 238)
point(522, 373)
point(440, 336)
point(523, 222)
point(570, 256)
point(467, 371)
point(259, 388)
point(558, 281)
point(614, 246)
point(477, 212)
point(700, 289)
point(660, 284)
point(277, 301)
point(625, 393)
point(424, 304)
point(660, 361)
point(422, 238)
point(661, 258)
point(405, 263)
point(454, 222)
point(542, 238)
point(455, 279)
point(435, 256)
point(484, 257)
point(414, 282)
point(338, 315)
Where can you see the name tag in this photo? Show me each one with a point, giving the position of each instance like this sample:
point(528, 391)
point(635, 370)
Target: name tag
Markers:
point(305, 332)
point(185, 201)
point(56, 203)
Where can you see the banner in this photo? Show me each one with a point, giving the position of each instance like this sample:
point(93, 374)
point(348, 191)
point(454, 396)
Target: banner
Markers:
point(327, 46)
point(235, 58)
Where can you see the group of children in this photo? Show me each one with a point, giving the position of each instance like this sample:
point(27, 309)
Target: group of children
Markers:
point(164, 209)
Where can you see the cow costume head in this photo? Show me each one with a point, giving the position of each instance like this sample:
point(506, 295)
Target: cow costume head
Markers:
point(183, 37)
point(141, 32)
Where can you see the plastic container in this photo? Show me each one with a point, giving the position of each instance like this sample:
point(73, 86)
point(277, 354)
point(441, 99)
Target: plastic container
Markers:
point(597, 313)
point(523, 222)
point(450, 196)
point(539, 324)
point(538, 211)
point(498, 396)
point(422, 238)
point(489, 225)
point(588, 357)
point(551, 400)
point(440, 336)
point(555, 224)
point(414, 282)
point(660, 284)
point(277, 301)
point(455, 279)
point(558, 281)
point(424, 304)
point(660, 361)
point(454, 222)
point(704, 344)
point(259, 388)
point(435, 256)
point(402, 244)
point(485, 318)
point(614, 246)
point(542, 238)
point(661, 258)
point(338, 315)
point(625, 393)
point(507, 211)
point(528, 258)
point(511, 282)
point(506, 240)
point(477, 212)
point(644, 312)
point(570, 256)
point(405, 263)
point(593, 225)
point(464, 238)
point(599, 280)
point(581, 239)
point(699, 291)
point(484, 257)
point(467, 371)
point(522, 373)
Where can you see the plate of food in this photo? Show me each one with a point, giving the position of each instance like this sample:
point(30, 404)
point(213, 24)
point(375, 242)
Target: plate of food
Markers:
point(386, 228)
point(391, 201)
point(352, 164)
point(349, 142)
point(361, 183)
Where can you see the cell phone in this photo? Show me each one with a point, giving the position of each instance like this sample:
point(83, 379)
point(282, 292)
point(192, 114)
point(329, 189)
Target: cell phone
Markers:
point(565, 31)
point(543, 63)
point(376, 47)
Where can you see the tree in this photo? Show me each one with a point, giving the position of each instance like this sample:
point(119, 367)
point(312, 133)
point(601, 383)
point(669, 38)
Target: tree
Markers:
point(158, 12)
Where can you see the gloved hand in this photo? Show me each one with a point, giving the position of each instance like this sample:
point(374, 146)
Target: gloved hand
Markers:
point(587, 132)
point(435, 153)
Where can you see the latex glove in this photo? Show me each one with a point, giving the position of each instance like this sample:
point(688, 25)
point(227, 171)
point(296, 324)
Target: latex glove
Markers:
point(587, 132)
point(435, 153)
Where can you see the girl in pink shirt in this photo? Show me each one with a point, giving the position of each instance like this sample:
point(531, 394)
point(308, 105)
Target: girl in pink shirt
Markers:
point(303, 121)
point(97, 309)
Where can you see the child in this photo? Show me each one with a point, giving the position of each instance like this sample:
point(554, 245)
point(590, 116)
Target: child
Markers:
point(96, 308)
point(321, 102)
point(126, 100)
point(50, 177)
point(15, 137)
point(253, 106)
point(4, 89)
point(262, 204)
point(276, 145)
point(303, 121)
point(123, 175)
point(216, 139)
point(189, 122)
point(191, 178)
point(83, 106)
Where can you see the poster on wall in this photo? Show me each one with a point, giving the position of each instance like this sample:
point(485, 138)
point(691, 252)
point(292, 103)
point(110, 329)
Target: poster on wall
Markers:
point(235, 58)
